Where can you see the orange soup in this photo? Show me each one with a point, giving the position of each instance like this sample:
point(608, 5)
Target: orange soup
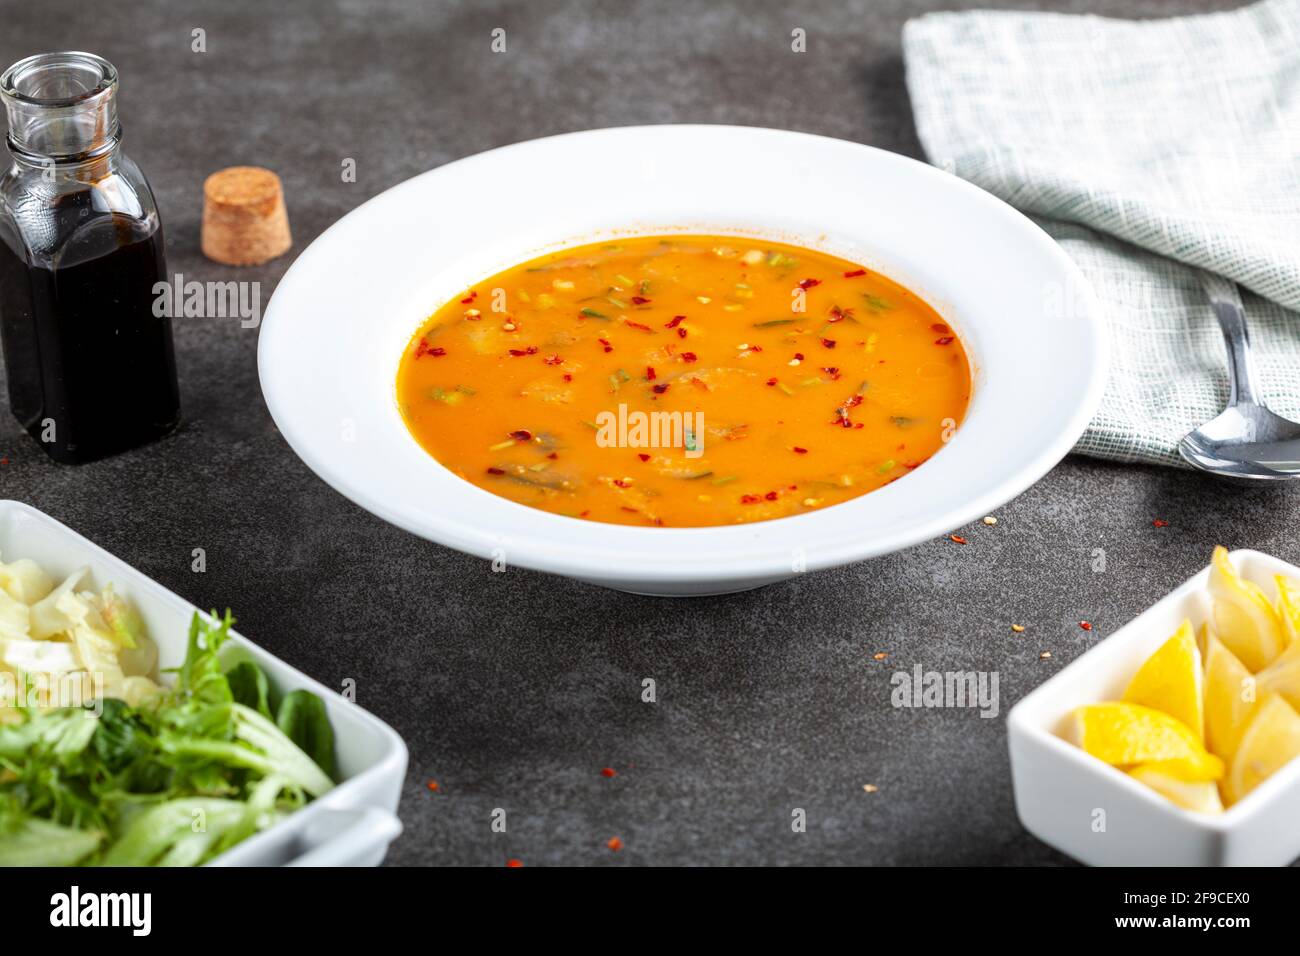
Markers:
point(680, 381)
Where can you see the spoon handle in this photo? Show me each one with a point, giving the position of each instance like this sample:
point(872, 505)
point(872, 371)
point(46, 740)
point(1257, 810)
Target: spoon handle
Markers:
point(1226, 302)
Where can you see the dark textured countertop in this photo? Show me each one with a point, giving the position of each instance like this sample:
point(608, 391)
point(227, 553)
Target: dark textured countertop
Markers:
point(514, 690)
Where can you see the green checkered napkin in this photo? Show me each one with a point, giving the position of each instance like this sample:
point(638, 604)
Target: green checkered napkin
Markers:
point(1146, 149)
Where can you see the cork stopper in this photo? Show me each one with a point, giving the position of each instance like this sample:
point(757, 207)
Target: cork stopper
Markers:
point(244, 219)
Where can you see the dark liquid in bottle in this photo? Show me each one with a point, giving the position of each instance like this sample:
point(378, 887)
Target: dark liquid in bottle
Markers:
point(91, 369)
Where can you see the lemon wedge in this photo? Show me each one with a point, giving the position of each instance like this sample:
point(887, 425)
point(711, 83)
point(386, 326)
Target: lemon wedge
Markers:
point(1244, 618)
point(1288, 607)
point(1271, 739)
point(1283, 675)
point(1171, 681)
point(1230, 699)
point(1125, 734)
point(1202, 797)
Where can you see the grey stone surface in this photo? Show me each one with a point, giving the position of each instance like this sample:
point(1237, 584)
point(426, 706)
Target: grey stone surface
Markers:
point(513, 690)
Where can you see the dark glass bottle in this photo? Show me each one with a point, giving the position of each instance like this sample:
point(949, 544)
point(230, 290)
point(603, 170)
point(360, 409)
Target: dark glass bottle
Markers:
point(90, 366)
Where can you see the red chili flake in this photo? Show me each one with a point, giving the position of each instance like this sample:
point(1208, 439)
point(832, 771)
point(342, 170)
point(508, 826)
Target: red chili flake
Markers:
point(608, 772)
point(832, 371)
point(421, 348)
point(522, 434)
point(614, 843)
point(639, 300)
point(957, 539)
point(514, 864)
point(554, 456)
point(681, 333)
point(749, 499)
point(568, 377)
point(649, 373)
point(828, 343)
point(855, 273)
point(809, 283)
point(4, 461)
point(531, 350)
point(771, 381)
point(909, 465)
point(770, 496)
point(798, 356)
point(622, 482)
point(643, 456)
point(939, 327)
point(944, 340)
point(660, 388)
point(439, 352)
point(688, 356)
point(605, 344)
point(496, 471)
point(1158, 522)
point(469, 298)
point(756, 348)
point(799, 451)
point(675, 321)
point(432, 785)
point(1085, 625)
point(637, 325)
point(552, 360)
point(838, 315)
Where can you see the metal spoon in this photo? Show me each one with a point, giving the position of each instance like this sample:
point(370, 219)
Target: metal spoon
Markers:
point(1246, 441)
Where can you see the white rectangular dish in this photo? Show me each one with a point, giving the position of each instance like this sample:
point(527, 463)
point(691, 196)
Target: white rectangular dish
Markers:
point(1102, 816)
point(351, 825)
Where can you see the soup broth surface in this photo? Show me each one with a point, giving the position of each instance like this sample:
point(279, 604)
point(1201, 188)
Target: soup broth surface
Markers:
point(682, 381)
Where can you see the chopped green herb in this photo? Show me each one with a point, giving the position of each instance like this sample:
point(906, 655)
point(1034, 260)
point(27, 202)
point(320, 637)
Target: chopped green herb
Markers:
point(725, 480)
point(875, 302)
point(770, 323)
point(593, 314)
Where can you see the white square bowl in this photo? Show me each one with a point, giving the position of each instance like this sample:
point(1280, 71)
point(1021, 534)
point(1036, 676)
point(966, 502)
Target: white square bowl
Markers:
point(1063, 794)
point(351, 825)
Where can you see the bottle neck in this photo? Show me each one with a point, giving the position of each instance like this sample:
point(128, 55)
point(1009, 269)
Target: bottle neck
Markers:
point(62, 108)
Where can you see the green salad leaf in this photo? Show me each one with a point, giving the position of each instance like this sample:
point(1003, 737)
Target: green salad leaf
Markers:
point(173, 782)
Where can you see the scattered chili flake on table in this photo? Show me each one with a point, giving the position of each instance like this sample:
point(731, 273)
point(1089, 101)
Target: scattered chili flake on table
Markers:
point(879, 656)
point(433, 786)
point(514, 864)
point(1160, 523)
point(1018, 628)
point(608, 772)
point(615, 844)
point(1085, 625)
point(956, 539)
